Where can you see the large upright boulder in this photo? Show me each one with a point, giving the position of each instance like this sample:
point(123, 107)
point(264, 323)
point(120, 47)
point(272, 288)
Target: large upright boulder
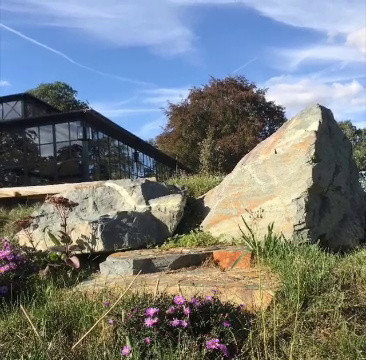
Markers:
point(302, 179)
point(115, 214)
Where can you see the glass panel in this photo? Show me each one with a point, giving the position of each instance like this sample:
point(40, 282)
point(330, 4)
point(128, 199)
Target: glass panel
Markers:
point(33, 109)
point(74, 130)
point(62, 132)
point(46, 134)
point(12, 158)
point(69, 161)
point(47, 165)
point(63, 150)
point(12, 110)
point(47, 151)
point(32, 134)
point(114, 159)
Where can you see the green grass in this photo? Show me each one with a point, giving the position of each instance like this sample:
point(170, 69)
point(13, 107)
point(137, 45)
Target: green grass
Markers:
point(198, 184)
point(319, 313)
point(9, 216)
point(194, 238)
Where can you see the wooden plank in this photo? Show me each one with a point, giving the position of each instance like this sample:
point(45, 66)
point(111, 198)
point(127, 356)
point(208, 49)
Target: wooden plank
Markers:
point(41, 191)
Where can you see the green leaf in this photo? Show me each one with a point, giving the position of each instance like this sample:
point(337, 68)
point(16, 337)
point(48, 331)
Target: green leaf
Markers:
point(53, 238)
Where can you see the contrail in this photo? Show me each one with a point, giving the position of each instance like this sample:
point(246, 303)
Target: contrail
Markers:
point(72, 61)
point(244, 65)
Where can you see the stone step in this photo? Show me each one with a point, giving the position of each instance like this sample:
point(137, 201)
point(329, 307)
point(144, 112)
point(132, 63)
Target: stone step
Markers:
point(152, 260)
point(253, 287)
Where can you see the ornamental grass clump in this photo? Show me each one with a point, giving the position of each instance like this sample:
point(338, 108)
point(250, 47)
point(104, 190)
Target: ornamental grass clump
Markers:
point(216, 329)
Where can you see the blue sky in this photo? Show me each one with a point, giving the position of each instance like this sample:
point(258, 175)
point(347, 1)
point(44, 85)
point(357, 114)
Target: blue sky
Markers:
point(129, 57)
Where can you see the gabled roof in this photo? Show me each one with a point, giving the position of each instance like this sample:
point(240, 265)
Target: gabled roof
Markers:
point(28, 96)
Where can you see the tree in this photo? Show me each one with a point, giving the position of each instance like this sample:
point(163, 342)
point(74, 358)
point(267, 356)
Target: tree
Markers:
point(357, 137)
point(219, 123)
point(60, 95)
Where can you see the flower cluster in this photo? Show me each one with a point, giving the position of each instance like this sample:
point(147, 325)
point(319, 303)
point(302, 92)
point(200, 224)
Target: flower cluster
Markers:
point(11, 261)
point(206, 320)
point(215, 344)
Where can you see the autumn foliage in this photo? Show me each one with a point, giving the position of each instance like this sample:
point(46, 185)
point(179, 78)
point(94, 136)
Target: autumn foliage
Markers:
point(218, 124)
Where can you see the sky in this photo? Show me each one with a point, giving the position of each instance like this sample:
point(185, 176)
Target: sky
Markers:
point(128, 58)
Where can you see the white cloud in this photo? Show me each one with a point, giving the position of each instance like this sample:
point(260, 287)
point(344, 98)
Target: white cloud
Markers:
point(357, 39)
point(161, 96)
point(326, 53)
point(114, 110)
point(156, 24)
point(4, 83)
point(151, 129)
point(162, 25)
point(347, 100)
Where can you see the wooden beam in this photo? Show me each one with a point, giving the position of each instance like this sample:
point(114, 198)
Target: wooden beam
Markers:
point(43, 190)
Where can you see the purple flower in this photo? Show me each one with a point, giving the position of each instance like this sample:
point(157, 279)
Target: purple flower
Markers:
point(186, 310)
point(107, 303)
point(195, 302)
point(183, 323)
point(175, 322)
point(135, 310)
point(111, 321)
point(4, 254)
point(212, 344)
point(150, 322)
point(227, 324)
point(126, 351)
point(152, 312)
point(224, 350)
point(171, 310)
point(3, 290)
point(209, 298)
point(179, 300)
point(147, 340)
point(215, 291)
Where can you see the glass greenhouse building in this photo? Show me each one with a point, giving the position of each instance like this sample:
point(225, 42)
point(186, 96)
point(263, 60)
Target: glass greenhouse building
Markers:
point(41, 145)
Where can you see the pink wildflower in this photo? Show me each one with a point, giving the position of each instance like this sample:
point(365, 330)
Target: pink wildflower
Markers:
point(179, 300)
point(175, 322)
point(126, 351)
point(186, 310)
point(152, 312)
point(150, 322)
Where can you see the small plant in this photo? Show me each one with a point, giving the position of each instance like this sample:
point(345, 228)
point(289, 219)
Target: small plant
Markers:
point(63, 242)
point(195, 238)
point(265, 247)
point(207, 320)
point(25, 225)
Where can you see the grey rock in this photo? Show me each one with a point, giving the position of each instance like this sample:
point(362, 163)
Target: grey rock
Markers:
point(302, 179)
point(130, 264)
point(115, 214)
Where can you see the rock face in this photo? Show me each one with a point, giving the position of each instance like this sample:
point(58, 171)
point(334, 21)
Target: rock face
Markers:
point(302, 179)
point(115, 214)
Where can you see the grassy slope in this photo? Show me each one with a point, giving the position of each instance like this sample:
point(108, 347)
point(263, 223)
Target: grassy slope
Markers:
point(320, 313)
